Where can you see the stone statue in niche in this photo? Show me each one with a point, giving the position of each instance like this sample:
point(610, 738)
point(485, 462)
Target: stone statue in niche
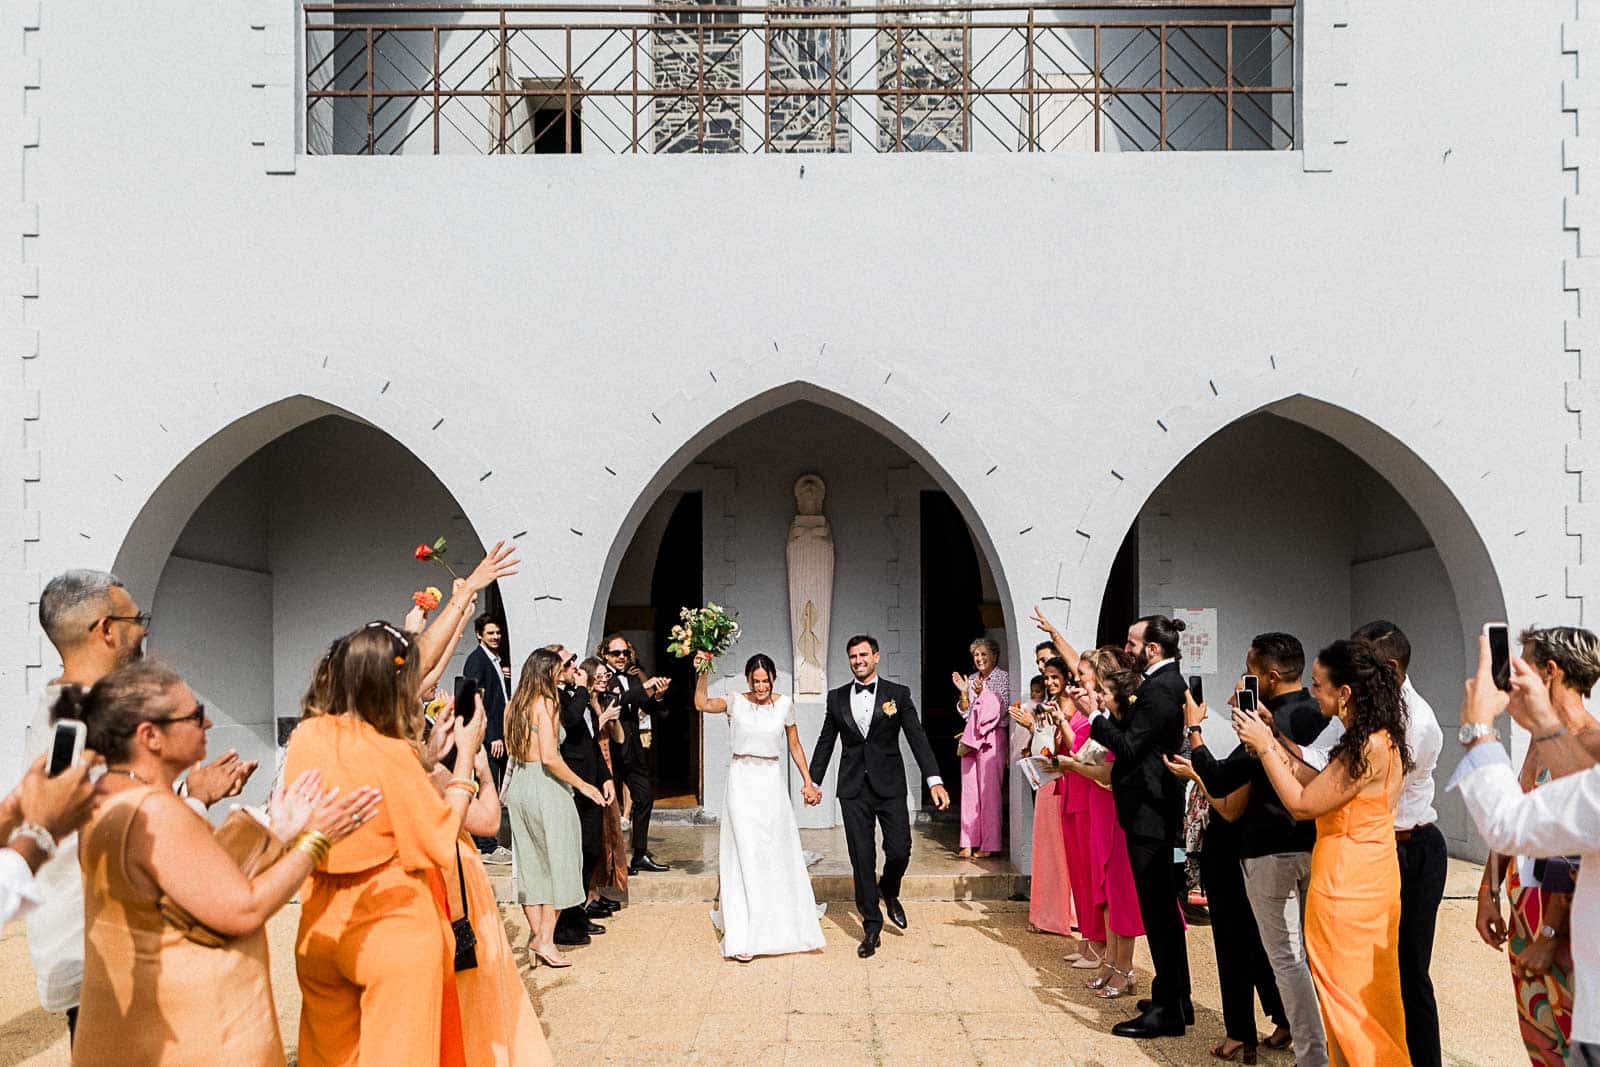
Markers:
point(810, 586)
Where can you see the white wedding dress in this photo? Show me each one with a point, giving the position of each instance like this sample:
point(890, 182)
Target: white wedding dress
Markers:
point(767, 905)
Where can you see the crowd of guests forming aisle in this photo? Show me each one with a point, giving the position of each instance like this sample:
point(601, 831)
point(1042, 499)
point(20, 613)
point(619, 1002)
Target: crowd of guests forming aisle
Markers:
point(1321, 864)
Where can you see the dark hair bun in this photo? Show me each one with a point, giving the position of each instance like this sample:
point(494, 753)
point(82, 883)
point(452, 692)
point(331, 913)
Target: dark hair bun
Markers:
point(70, 704)
point(1178, 625)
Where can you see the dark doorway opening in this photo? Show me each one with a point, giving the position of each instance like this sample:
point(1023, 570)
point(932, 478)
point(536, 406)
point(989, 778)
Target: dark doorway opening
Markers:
point(1120, 605)
point(952, 616)
point(675, 584)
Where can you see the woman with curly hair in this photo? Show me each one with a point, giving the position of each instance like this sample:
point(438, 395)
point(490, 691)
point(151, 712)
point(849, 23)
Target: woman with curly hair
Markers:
point(1352, 923)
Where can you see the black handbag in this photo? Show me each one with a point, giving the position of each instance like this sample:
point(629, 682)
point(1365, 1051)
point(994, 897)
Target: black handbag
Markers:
point(466, 940)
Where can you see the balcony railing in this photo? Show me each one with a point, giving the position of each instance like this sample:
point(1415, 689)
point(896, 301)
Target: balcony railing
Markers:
point(1112, 75)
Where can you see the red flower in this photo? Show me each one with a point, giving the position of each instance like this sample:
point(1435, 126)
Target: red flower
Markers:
point(423, 552)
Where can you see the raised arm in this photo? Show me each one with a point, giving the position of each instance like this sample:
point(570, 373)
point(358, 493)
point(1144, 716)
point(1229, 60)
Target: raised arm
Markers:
point(1068, 653)
point(1329, 791)
point(703, 700)
point(501, 562)
point(436, 672)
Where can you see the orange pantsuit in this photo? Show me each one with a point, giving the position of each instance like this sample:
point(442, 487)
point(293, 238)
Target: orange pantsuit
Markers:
point(498, 1024)
point(374, 951)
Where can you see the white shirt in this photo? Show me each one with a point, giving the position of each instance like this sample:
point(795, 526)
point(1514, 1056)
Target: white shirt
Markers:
point(19, 891)
point(499, 668)
point(625, 680)
point(1426, 739)
point(1559, 818)
point(55, 924)
point(1157, 665)
point(863, 703)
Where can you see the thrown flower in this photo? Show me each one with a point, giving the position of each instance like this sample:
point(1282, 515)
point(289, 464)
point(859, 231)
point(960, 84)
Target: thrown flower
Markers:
point(427, 599)
point(434, 553)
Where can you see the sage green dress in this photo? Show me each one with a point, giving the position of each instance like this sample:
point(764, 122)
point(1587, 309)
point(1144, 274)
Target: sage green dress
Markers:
point(546, 841)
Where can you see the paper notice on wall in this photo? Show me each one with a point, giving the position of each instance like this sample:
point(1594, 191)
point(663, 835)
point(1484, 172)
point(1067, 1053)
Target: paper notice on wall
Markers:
point(1198, 640)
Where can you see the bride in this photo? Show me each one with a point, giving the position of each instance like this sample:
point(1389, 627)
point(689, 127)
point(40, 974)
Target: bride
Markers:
point(767, 905)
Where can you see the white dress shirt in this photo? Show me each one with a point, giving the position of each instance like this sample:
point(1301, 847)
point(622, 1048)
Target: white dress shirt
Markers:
point(863, 702)
point(55, 923)
point(1425, 738)
point(1157, 665)
point(19, 891)
point(1560, 818)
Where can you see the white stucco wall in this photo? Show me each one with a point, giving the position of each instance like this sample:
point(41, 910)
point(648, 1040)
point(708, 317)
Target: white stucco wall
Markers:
point(1008, 321)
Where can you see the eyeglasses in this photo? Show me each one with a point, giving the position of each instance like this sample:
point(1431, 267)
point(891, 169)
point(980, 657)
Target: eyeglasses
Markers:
point(197, 716)
point(143, 619)
point(616, 652)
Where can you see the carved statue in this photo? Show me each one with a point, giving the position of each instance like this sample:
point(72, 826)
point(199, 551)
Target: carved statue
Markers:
point(810, 586)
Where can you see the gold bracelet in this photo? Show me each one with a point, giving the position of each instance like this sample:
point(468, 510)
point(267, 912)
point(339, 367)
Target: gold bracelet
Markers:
point(315, 844)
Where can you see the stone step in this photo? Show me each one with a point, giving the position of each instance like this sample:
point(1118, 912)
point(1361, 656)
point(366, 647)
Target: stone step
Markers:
point(674, 887)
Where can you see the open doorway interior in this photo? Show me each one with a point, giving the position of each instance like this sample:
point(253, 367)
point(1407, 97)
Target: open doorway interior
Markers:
point(676, 584)
point(952, 616)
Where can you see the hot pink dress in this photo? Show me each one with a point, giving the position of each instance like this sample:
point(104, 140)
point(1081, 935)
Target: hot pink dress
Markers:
point(1077, 832)
point(1050, 899)
point(980, 773)
point(1108, 858)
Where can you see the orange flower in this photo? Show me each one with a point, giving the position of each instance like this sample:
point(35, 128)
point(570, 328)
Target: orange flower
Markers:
point(426, 599)
point(423, 553)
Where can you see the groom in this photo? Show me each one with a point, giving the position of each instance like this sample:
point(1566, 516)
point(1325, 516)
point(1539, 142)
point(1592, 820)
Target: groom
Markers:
point(869, 714)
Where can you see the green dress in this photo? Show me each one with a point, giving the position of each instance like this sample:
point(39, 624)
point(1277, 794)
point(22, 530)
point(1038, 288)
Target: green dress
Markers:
point(546, 840)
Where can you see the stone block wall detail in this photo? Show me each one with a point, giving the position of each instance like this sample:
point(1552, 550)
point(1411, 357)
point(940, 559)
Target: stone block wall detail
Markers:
point(1580, 156)
point(274, 31)
point(1326, 58)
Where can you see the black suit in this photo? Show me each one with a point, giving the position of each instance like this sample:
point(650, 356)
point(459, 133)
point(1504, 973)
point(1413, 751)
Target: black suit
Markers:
point(630, 695)
point(580, 748)
point(872, 787)
point(483, 667)
point(1149, 804)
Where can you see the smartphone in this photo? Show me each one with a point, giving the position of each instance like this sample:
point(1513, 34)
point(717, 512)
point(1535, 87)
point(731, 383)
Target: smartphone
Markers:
point(1247, 700)
point(1196, 689)
point(1499, 654)
point(67, 746)
point(1253, 684)
point(466, 698)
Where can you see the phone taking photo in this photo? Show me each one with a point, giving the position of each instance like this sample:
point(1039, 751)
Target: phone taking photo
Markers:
point(1248, 700)
point(466, 698)
point(1253, 684)
point(1499, 636)
point(1197, 689)
point(66, 746)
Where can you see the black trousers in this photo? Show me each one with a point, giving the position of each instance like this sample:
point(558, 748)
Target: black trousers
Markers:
point(497, 767)
point(1423, 864)
point(636, 776)
point(591, 824)
point(1243, 970)
point(1158, 885)
point(863, 814)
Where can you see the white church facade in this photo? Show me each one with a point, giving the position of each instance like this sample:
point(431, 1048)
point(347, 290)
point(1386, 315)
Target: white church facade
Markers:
point(1330, 370)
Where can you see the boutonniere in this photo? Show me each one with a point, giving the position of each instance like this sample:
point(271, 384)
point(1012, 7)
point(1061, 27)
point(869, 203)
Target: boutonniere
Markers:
point(890, 709)
point(1133, 698)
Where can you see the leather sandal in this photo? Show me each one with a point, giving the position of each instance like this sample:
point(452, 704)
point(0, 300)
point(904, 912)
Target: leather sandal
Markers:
point(1244, 1053)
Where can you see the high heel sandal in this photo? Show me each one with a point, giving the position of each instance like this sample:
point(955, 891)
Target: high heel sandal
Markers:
point(1111, 992)
point(1089, 961)
point(1244, 1053)
point(546, 960)
point(1100, 981)
point(1273, 1040)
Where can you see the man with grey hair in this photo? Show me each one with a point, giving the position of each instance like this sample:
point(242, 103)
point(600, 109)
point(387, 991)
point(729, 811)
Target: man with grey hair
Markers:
point(96, 627)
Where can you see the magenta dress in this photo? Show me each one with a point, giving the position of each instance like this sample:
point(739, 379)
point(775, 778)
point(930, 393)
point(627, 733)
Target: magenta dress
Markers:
point(980, 773)
point(1076, 832)
point(1108, 859)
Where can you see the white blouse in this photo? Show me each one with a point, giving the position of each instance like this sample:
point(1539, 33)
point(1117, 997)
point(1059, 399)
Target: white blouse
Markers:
point(760, 729)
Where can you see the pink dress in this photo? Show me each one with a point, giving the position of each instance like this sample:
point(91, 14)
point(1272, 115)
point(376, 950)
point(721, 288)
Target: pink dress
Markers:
point(1076, 830)
point(1050, 904)
point(1108, 858)
point(981, 770)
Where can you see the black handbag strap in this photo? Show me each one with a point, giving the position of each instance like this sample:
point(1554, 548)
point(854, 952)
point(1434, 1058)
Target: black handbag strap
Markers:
point(461, 876)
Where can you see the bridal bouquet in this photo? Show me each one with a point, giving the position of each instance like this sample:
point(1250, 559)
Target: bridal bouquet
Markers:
point(707, 629)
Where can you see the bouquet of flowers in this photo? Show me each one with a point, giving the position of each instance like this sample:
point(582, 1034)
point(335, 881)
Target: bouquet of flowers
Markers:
point(708, 629)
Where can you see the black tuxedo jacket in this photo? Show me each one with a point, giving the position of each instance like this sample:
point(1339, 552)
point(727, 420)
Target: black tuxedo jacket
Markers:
point(580, 748)
point(632, 701)
point(1148, 797)
point(484, 669)
point(872, 762)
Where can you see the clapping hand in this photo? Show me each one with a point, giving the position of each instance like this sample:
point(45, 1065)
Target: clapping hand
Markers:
point(223, 777)
point(291, 806)
point(1021, 716)
point(811, 795)
point(656, 686)
point(958, 680)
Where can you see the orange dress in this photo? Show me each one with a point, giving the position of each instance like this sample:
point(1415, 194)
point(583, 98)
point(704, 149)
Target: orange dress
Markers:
point(374, 952)
point(498, 1024)
point(1353, 929)
point(150, 995)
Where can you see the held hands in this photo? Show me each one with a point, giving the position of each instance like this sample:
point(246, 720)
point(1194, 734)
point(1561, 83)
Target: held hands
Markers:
point(811, 795)
point(941, 797)
point(223, 777)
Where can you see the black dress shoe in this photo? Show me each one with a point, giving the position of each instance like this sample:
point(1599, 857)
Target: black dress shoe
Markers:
point(596, 928)
point(566, 938)
point(1152, 1023)
point(598, 910)
point(1147, 1005)
point(896, 914)
point(868, 946)
point(646, 862)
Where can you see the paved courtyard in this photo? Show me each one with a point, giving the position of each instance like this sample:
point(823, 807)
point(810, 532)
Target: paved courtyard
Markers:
point(967, 983)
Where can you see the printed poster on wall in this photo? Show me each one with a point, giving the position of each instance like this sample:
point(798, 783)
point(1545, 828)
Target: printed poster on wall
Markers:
point(1198, 640)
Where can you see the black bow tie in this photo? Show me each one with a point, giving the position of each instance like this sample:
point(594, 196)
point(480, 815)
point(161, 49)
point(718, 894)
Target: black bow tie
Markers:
point(870, 687)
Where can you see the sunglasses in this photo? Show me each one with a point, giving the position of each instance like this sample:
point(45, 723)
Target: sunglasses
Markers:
point(197, 716)
point(616, 652)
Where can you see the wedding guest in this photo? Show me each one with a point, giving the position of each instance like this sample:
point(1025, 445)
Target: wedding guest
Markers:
point(1105, 685)
point(641, 703)
point(1043, 653)
point(96, 628)
point(1536, 928)
point(545, 834)
point(613, 870)
point(982, 699)
point(1559, 818)
point(580, 749)
point(1353, 905)
point(150, 993)
point(1050, 900)
point(1150, 810)
point(1274, 848)
point(374, 948)
point(493, 678)
point(35, 815)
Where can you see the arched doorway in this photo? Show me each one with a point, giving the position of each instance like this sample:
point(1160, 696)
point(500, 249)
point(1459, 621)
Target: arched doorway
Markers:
point(263, 546)
point(885, 500)
point(1305, 518)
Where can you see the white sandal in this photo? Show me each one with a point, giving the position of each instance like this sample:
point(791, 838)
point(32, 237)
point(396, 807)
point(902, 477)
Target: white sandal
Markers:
point(1089, 963)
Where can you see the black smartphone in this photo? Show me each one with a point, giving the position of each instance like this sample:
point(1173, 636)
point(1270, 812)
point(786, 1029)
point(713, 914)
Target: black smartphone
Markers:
point(1196, 689)
point(66, 746)
point(1253, 684)
point(1247, 700)
point(466, 698)
point(1499, 636)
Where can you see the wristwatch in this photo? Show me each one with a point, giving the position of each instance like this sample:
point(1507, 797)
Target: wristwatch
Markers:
point(42, 838)
point(1195, 729)
point(1471, 732)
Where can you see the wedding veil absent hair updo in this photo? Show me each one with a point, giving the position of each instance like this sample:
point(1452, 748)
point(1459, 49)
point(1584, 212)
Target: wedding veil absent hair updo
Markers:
point(1162, 631)
point(538, 680)
point(372, 673)
point(113, 709)
point(764, 662)
point(1375, 703)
